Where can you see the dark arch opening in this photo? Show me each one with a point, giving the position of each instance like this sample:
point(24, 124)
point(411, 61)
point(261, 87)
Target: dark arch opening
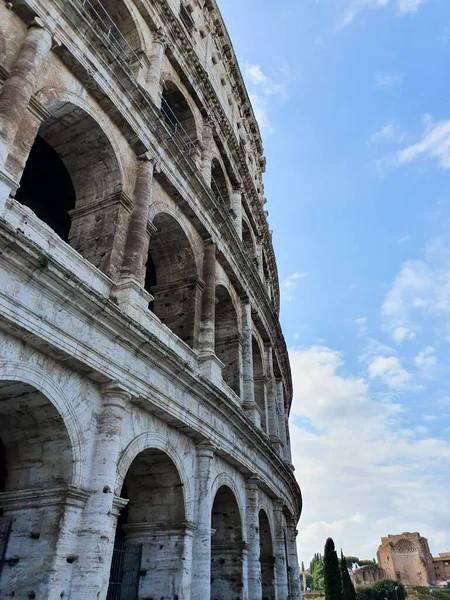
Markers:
point(258, 383)
point(219, 183)
point(150, 531)
point(171, 277)
point(247, 240)
point(227, 338)
point(226, 547)
point(267, 558)
point(178, 114)
point(47, 189)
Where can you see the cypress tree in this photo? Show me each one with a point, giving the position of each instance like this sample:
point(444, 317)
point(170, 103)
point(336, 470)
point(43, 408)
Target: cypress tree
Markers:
point(348, 589)
point(332, 575)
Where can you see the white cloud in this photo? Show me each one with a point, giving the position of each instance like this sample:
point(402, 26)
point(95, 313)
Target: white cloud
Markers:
point(388, 79)
point(356, 6)
point(407, 6)
point(435, 144)
point(262, 89)
point(420, 291)
point(390, 371)
point(288, 285)
point(388, 133)
point(404, 239)
point(426, 358)
point(349, 444)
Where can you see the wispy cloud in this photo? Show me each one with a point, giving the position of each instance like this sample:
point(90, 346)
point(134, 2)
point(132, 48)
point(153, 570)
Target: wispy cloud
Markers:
point(388, 79)
point(388, 133)
point(288, 285)
point(356, 6)
point(434, 145)
point(420, 292)
point(262, 89)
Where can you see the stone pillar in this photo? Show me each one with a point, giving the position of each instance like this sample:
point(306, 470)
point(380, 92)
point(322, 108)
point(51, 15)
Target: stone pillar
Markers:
point(136, 244)
point(236, 205)
point(254, 550)
point(272, 412)
point(294, 572)
point(259, 258)
point(211, 367)
point(98, 526)
point(201, 568)
point(129, 292)
point(250, 405)
point(207, 143)
point(153, 82)
point(280, 552)
point(281, 416)
point(17, 90)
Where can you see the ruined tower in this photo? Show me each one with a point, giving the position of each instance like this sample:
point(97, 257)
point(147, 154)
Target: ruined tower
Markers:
point(144, 379)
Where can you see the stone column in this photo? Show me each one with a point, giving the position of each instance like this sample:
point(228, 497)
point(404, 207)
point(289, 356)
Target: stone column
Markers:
point(207, 143)
point(136, 244)
point(294, 572)
point(259, 258)
point(280, 552)
point(254, 550)
point(207, 326)
point(281, 415)
point(98, 526)
point(250, 405)
point(153, 82)
point(129, 292)
point(201, 568)
point(272, 412)
point(17, 90)
point(236, 205)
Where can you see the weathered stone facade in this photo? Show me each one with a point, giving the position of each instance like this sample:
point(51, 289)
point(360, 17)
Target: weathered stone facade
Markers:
point(406, 557)
point(144, 380)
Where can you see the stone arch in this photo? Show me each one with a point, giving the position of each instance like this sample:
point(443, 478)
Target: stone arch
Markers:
point(153, 520)
point(179, 112)
point(224, 479)
point(40, 380)
point(226, 546)
point(158, 442)
point(85, 204)
point(117, 21)
point(259, 380)
point(172, 278)
point(219, 183)
point(226, 339)
point(267, 558)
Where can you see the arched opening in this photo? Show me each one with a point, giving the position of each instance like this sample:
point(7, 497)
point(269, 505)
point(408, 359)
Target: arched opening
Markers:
point(227, 338)
point(267, 558)
point(115, 21)
point(36, 467)
point(226, 547)
point(51, 203)
point(72, 182)
point(148, 557)
point(178, 114)
point(171, 277)
point(219, 184)
point(259, 384)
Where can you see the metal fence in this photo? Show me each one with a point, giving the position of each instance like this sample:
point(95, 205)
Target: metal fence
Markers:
point(125, 567)
point(5, 532)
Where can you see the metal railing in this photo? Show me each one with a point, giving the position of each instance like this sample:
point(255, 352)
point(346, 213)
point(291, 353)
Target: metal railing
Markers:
point(112, 33)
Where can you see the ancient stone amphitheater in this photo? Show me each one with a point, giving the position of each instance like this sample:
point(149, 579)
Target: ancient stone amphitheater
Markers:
point(144, 379)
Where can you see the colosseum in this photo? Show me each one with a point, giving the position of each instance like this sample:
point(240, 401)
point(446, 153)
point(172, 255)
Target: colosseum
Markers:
point(144, 379)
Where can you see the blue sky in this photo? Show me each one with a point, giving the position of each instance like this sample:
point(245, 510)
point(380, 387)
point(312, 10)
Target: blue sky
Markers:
point(353, 101)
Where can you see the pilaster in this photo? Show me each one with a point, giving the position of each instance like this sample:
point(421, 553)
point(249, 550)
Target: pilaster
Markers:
point(253, 541)
point(280, 552)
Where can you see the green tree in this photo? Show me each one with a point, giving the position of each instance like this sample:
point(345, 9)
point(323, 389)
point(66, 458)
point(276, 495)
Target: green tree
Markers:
point(348, 589)
point(332, 576)
point(386, 589)
point(351, 560)
point(316, 571)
